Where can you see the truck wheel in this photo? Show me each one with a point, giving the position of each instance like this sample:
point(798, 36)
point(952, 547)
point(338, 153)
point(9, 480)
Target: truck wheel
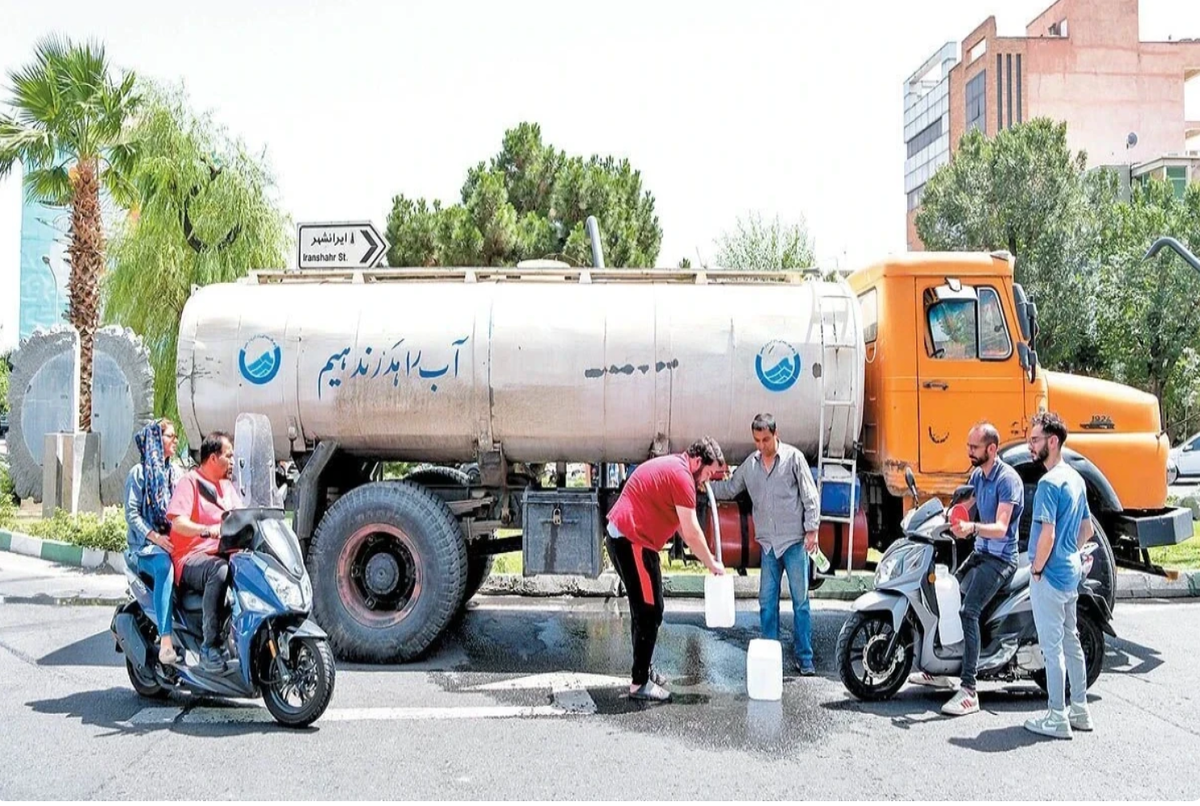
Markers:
point(479, 566)
point(437, 474)
point(389, 568)
point(1104, 566)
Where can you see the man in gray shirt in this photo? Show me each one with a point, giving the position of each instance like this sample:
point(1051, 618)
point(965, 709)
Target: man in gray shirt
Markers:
point(786, 519)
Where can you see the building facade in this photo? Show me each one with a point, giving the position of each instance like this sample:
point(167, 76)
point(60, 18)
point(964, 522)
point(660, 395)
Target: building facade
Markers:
point(1082, 62)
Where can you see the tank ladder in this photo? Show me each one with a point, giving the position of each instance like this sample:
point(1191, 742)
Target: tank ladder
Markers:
point(835, 316)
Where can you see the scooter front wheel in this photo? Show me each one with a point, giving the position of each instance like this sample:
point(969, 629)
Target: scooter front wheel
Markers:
point(303, 697)
point(868, 669)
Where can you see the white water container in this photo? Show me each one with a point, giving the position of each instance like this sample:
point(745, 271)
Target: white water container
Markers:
point(949, 601)
point(764, 669)
point(719, 608)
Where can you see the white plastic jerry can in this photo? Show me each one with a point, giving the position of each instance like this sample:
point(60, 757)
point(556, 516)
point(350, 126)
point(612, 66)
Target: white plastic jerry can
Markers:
point(764, 669)
point(719, 608)
point(949, 600)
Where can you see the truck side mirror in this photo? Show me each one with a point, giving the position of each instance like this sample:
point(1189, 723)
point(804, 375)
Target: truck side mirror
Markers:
point(1028, 357)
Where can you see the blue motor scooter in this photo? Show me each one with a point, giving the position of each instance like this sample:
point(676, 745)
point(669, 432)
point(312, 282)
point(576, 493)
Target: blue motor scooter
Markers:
point(273, 646)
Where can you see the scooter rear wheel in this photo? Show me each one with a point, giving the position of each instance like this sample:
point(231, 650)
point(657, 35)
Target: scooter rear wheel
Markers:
point(146, 688)
point(866, 671)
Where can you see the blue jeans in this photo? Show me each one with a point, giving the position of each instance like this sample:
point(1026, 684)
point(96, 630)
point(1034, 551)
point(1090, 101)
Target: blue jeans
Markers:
point(1058, 634)
point(153, 560)
point(795, 564)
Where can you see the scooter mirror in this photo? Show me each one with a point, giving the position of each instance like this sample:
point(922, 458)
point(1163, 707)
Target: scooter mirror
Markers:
point(911, 480)
point(962, 493)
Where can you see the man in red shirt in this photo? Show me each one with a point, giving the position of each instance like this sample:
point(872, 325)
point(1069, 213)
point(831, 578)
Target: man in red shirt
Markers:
point(659, 499)
point(197, 506)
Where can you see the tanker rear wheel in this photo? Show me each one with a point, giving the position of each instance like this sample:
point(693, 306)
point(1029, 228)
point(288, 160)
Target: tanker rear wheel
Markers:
point(389, 569)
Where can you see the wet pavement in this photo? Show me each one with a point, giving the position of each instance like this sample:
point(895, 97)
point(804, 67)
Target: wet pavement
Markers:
point(527, 699)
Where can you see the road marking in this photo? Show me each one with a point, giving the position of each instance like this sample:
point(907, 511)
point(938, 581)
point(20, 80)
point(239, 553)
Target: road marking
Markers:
point(569, 690)
point(568, 693)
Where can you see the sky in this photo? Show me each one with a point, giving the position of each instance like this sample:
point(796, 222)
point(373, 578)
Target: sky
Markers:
point(780, 108)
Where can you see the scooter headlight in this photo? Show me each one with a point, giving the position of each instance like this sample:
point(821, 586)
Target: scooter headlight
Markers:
point(289, 592)
point(252, 603)
point(897, 563)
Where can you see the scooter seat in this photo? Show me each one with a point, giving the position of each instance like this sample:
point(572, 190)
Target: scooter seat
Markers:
point(190, 600)
point(1019, 579)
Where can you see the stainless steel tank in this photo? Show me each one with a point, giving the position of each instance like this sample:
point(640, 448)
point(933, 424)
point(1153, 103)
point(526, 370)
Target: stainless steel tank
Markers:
point(551, 369)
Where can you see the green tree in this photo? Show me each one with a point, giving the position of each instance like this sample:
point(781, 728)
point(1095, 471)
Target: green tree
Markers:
point(1024, 191)
point(69, 130)
point(206, 216)
point(770, 246)
point(3, 384)
point(1149, 331)
point(530, 201)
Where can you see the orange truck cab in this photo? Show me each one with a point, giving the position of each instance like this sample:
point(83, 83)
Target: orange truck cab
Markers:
point(951, 341)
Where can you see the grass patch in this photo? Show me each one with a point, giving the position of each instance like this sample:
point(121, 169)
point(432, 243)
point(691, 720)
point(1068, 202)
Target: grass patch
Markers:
point(106, 532)
point(1184, 556)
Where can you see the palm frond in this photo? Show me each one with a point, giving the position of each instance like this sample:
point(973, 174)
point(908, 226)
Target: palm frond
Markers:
point(49, 185)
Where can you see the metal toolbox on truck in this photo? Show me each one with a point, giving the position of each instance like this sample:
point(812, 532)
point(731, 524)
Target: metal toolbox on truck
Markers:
point(562, 533)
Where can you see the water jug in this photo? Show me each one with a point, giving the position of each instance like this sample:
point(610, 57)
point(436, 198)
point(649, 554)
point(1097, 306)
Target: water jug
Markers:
point(820, 561)
point(949, 600)
point(718, 601)
point(718, 590)
point(764, 669)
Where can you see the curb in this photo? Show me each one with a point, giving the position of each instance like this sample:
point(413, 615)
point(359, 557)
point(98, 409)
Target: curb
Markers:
point(1130, 586)
point(63, 553)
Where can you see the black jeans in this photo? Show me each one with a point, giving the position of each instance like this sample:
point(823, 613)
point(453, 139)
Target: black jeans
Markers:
point(980, 578)
point(641, 572)
point(210, 574)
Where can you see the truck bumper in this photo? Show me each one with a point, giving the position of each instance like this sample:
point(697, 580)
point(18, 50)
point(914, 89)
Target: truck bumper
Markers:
point(1164, 527)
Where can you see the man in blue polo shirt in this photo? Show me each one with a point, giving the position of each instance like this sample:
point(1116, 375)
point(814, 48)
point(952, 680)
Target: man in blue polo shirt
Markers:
point(999, 499)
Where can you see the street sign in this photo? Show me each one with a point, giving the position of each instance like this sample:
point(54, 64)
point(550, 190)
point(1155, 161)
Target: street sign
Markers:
point(340, 245)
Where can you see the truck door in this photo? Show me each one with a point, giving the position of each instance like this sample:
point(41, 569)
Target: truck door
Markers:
point(968, 370)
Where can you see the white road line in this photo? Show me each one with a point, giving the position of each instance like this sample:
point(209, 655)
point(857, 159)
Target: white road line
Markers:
point(238, 715)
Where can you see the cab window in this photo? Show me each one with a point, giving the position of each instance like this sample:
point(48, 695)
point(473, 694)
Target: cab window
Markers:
point(966, 324)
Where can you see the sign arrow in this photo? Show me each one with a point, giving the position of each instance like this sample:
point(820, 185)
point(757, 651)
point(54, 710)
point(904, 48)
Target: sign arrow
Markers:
point(339, 245)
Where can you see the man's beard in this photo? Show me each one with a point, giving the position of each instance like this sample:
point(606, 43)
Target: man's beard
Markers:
point(1043, 453)
point(976, 462)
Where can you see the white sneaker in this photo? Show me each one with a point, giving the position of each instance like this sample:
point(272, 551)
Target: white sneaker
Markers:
point(1052, 723)
point(1080, 718)
point(650, 692)
point(962, 703)
point(933, 681)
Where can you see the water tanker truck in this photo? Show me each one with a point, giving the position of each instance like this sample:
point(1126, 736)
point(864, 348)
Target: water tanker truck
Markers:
point(485, 376)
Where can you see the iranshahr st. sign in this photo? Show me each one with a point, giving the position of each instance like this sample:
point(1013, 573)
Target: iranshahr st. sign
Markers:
point(340, 245)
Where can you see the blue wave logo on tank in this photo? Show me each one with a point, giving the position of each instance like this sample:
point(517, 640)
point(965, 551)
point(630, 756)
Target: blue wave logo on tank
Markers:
point(260, 359)
point(777, 366)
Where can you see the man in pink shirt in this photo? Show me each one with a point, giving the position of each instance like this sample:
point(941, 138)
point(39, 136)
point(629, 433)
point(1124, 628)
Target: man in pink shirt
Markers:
point(197, 506)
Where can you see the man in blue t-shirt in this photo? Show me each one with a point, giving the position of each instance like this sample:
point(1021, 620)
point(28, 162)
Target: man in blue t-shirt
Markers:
point(1062, 525)
point(999, 500)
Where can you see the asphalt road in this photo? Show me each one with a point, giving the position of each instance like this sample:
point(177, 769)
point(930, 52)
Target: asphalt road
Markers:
point(74, 729)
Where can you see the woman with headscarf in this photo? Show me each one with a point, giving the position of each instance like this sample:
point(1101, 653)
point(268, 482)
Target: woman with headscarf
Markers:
point(148, 491)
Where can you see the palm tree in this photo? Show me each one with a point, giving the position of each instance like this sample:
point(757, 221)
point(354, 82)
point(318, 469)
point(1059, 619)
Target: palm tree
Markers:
point(69, 129)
